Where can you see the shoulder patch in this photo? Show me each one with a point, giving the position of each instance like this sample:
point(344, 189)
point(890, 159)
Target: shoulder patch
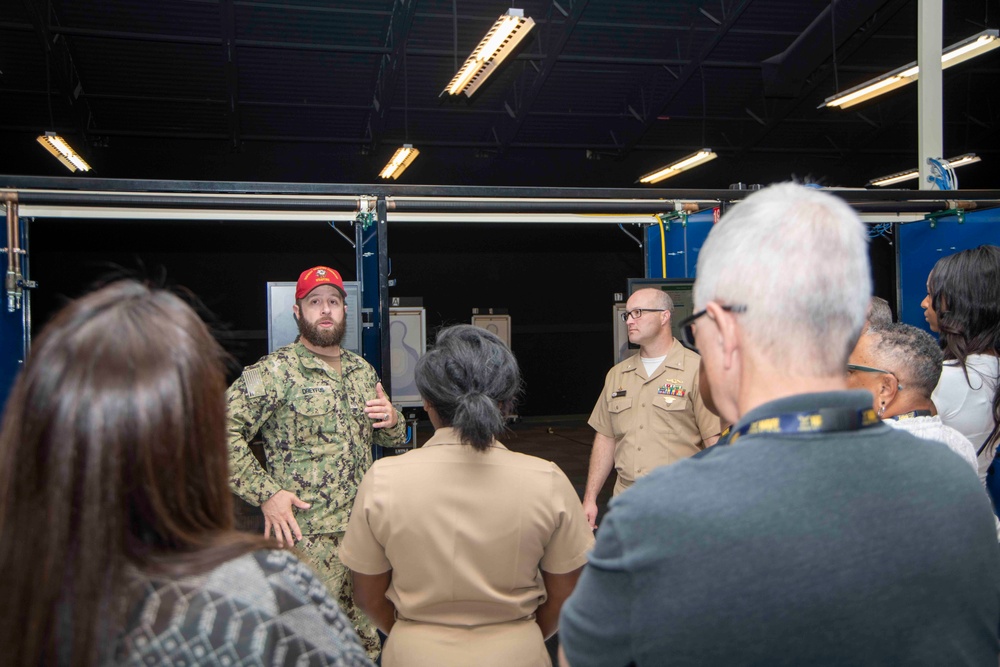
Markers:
point(252, 382)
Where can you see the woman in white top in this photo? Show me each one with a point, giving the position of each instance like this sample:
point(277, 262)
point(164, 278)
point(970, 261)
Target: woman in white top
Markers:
point(963, 306)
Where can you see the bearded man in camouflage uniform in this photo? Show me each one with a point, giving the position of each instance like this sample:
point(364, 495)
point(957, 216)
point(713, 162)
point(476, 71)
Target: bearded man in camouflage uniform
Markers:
point(318, 408)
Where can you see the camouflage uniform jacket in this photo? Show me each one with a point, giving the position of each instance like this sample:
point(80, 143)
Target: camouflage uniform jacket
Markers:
point(316, 435)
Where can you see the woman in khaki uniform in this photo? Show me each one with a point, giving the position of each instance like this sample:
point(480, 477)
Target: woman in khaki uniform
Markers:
point(463, 551)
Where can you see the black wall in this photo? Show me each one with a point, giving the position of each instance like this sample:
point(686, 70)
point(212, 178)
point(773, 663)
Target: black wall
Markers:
point(556, 281)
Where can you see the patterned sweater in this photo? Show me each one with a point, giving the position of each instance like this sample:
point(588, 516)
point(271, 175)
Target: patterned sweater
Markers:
point(262, 609)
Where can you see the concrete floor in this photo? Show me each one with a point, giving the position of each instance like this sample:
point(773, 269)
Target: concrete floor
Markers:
point(566, 441)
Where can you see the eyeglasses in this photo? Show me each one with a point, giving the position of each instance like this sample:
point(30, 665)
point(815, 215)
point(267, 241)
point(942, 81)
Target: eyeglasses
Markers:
point(687, 325)
point(636, 313)
point(855, 368)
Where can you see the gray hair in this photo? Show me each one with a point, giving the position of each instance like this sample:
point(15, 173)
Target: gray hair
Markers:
point(797, 258)
point(472, 380)
point(912, 355)
point(879, 313)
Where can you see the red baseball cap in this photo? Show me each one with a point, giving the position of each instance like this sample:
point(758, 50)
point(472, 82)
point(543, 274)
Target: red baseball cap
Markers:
point(316, 276)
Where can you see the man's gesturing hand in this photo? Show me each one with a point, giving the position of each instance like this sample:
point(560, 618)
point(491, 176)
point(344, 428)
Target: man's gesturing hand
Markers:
point(278, 516)
point(380, 409)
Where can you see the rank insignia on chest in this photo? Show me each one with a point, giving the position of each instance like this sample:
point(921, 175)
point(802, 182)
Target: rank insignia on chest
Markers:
point(672, 390)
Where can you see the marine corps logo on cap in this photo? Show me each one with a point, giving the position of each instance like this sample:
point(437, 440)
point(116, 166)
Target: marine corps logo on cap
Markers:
point(318, 275)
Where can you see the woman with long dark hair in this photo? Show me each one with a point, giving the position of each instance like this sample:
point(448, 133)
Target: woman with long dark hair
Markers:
point(963, 306)
point(116, 539)
point(462, 551)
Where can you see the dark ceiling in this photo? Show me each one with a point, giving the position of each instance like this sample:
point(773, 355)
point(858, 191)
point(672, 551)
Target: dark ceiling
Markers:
point(599, 93)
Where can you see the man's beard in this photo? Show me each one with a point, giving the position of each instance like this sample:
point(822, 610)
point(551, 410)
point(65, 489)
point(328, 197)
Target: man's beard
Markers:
point(322, 337)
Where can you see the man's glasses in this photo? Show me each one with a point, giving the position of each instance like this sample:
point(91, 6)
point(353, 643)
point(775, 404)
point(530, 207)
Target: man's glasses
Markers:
point(855, 368)
point(636, 313)
point(687, 325)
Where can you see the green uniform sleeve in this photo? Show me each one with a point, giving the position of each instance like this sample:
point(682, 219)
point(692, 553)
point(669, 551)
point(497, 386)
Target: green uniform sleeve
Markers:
point(384, 437)
point(392, 437)
point(250, 400)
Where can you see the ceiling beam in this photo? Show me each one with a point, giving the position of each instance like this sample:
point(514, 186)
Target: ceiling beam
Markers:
point(390, 65)
point(903, 110)
point(554, 44)
point(102, 33)
point(335, 140)
point(447, 110)
point(786, 71)
point(852, 44)
point(387, 50)
point(231, 68)
point(332, 8)
point(59, 61)
point(653, 110)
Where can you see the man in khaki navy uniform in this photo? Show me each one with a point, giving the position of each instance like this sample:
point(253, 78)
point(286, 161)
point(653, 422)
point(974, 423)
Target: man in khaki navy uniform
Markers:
point(318, 408)
point(650, 412)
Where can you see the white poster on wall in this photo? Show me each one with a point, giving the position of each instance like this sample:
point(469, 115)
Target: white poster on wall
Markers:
point(622, 349)
point(498, 325)
point(407, 343)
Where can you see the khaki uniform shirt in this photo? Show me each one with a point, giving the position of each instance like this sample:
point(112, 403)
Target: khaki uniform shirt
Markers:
point(466, 535)
point(316, 434)
point(655, 419)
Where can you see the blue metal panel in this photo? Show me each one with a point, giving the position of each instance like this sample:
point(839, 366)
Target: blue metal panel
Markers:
point(921, 244)
point(373, 273)
point(683, 243)
point(367, 259)
point(14, 323)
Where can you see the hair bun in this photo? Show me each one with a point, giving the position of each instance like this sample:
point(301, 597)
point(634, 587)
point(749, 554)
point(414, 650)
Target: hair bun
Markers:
point(471, 378)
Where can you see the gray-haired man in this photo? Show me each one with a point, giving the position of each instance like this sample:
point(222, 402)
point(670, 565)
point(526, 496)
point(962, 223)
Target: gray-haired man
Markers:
point(819, 535)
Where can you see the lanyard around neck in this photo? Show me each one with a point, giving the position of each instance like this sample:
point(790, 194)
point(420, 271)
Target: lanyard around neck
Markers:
point(826, 420)
point(912, 414)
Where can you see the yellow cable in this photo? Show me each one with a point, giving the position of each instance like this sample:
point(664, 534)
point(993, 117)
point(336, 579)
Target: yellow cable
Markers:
point(663, 249)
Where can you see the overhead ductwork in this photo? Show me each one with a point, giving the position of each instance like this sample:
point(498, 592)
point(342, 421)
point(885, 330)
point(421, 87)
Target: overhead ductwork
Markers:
point(785, 73)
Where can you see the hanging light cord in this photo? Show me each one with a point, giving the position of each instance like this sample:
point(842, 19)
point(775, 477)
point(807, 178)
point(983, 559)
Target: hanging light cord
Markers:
point(833, 38)
point(406, 99)
point(454, 20)
point(48, 72)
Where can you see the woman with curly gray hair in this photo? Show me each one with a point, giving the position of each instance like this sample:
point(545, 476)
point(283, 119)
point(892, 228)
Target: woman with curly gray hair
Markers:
point(900, 365)
point(463, 551)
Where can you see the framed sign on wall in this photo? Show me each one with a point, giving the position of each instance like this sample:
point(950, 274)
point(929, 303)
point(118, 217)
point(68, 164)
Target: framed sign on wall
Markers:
point(407, 343)
point(498, 325)
point(622, 349)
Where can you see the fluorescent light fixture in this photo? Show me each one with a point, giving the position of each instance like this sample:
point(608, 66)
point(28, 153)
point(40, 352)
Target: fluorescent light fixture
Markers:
point(499, 42)
point(899, 177)
point(401, 159)
point(968, 48)
point(63, 152)
point(701, 157)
